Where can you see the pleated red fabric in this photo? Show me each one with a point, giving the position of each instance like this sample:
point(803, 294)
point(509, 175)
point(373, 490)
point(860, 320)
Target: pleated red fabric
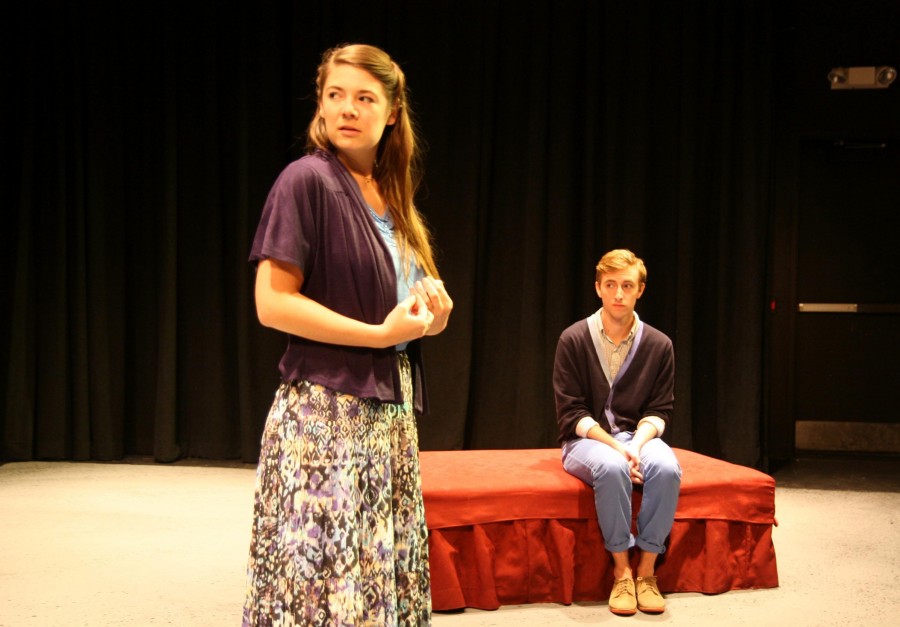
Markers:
point(511, 526)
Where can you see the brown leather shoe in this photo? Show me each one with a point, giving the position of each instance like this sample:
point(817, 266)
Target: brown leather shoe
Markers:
point(622, 600)
point(649, 599)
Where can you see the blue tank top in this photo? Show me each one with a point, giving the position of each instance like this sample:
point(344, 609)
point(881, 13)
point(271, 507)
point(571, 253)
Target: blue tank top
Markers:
point(405, 280)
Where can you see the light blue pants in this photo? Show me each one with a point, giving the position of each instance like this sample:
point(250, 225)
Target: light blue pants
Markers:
point(606, 470)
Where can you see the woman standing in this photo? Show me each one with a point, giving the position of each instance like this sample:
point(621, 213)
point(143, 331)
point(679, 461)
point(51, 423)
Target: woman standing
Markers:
point(345, 267)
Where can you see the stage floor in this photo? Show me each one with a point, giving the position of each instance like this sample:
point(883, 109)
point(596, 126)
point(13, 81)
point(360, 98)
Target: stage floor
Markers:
point(132, 545)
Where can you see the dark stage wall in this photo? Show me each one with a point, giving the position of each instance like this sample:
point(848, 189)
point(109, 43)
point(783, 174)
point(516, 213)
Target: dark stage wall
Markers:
point(138, 145)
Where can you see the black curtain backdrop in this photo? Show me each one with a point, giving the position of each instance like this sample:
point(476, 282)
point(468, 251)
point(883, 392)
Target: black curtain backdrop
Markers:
point(139, 142)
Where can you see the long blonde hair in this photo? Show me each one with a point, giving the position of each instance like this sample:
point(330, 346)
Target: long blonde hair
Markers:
point(398, 160)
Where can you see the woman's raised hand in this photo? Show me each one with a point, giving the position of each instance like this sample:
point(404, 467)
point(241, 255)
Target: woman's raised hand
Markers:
point(435, 296)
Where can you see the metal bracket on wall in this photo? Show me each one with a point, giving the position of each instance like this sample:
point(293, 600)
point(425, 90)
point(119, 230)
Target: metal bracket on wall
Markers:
point(889, 308)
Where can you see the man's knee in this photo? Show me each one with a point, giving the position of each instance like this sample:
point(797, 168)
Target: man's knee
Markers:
point(611, 468)
point(663, 468)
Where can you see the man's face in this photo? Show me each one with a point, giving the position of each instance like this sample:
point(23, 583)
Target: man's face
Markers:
point(620, 291)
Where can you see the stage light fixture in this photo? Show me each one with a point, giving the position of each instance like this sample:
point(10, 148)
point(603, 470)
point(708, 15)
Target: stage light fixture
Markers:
point(867, 77)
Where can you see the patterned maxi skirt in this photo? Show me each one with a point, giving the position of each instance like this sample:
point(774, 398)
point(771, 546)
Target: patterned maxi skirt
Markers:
point(339, 535)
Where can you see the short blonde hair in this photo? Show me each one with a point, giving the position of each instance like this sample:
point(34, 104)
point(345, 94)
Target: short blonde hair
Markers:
point(620, 259)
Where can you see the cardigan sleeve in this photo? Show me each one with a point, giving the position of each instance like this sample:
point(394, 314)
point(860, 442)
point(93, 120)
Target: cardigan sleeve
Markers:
point(660, 364)
point(286, 229)
point(571, 385)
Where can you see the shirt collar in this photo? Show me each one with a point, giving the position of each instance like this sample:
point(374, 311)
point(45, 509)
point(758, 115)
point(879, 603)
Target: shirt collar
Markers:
point(634, 326)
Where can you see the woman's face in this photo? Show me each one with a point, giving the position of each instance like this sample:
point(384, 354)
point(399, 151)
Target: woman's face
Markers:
point(355, 110)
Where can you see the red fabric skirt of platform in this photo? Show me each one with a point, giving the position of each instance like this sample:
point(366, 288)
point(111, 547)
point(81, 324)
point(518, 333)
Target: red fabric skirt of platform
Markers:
point(511, 526)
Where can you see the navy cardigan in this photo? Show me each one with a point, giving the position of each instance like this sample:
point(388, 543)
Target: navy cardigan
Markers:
point(645, 388)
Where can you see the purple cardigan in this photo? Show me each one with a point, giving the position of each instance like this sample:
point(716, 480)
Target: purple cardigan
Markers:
point(316, 219)
point(645, 388)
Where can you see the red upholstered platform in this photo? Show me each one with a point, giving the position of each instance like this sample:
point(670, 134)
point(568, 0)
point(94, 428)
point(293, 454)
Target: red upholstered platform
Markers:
point(511, 526)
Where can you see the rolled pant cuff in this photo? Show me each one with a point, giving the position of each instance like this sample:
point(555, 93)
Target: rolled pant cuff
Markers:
point(648, 547)
point(621, 547)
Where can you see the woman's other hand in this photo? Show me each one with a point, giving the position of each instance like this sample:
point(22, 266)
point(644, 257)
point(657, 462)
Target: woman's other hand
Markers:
point(435, 297)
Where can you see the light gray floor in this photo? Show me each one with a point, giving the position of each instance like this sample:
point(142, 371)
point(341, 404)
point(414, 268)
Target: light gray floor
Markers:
point(141, 544)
